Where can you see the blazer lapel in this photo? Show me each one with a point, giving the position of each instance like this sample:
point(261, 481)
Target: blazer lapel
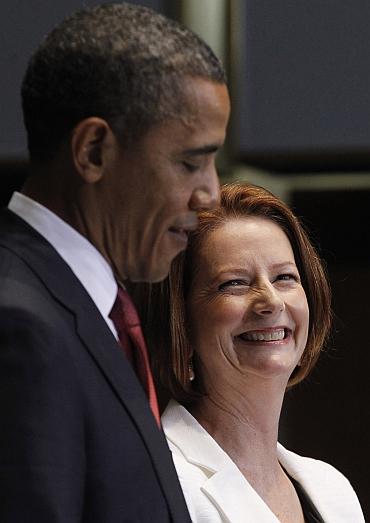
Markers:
point(327, 489)
point(95, 335)
point(225, 487)
point(235, 499)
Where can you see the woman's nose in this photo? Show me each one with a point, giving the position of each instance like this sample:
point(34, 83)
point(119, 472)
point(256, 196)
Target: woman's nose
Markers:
point(268, 300)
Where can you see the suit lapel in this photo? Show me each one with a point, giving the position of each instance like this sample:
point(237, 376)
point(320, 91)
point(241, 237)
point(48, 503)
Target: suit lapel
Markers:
point(108, 355)
point(98, 340)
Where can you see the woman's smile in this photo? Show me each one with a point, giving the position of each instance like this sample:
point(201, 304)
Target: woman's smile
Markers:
point(273, 334)
point(246, 301)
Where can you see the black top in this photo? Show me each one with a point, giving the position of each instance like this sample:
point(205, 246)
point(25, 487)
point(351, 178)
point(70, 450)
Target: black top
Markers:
point(310, 512)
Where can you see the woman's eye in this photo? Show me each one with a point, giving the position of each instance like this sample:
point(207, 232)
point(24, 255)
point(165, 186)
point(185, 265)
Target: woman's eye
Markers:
point(232, 284)
point(287, 277)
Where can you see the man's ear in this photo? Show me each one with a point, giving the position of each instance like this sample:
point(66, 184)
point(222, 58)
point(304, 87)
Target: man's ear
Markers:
point(88, 144)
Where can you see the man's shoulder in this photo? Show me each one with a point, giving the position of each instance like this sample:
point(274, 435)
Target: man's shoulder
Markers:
point(22, 286)
point(11, 223)
point(16, 236)
point(28, 260)
point(16, 275)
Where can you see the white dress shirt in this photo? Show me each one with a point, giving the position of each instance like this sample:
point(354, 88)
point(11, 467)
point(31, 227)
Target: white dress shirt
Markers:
point(217, 492)
point(86, 262)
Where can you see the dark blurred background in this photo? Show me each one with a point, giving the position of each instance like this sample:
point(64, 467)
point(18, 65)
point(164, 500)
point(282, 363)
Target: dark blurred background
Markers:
point(300, 83)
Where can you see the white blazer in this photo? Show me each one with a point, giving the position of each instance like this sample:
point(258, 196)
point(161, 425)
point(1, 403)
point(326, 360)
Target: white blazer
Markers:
point(215, 490)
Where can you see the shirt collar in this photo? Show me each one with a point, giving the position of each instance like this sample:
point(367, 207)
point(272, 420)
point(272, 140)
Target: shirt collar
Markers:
point(86, 262)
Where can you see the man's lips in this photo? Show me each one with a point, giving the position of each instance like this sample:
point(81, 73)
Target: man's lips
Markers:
point(180, 235)
point(185, 227)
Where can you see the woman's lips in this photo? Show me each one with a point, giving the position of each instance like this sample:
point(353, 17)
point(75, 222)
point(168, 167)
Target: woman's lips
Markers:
point(268, 335)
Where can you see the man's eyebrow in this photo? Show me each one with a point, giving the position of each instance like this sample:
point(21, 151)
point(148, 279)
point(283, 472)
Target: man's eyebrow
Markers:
point(206, 149)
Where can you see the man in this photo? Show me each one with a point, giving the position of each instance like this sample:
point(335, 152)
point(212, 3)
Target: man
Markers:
point(125, 111)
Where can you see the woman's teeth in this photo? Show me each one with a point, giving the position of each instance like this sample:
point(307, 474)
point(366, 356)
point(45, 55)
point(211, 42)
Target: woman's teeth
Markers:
point(264, 336)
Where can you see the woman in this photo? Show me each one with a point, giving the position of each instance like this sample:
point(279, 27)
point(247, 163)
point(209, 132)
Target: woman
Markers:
point(249, 310)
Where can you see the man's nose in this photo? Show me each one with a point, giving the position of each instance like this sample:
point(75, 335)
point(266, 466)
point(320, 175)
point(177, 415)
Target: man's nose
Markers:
point(207, 194)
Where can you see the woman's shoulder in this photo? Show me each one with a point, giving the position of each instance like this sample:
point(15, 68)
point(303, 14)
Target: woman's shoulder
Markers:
point(323, 483)
point(298, 465)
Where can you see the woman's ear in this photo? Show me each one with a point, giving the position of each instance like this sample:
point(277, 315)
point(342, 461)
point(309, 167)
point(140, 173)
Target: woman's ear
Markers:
point(88, 143)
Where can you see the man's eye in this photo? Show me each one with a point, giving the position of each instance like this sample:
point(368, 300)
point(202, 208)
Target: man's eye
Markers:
point(190, 167)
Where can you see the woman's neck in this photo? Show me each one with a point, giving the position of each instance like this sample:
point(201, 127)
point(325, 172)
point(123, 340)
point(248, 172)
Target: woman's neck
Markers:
point(245, 425)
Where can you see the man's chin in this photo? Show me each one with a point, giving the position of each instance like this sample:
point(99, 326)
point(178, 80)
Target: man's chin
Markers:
point(149, 274)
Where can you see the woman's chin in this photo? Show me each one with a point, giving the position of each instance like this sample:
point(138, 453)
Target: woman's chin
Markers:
point(272, 366)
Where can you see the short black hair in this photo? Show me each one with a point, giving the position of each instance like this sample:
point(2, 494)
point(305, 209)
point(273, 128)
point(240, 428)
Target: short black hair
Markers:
point(121, 62)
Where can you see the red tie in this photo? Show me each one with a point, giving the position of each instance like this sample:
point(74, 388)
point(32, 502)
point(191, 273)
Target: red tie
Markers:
point(131, 339)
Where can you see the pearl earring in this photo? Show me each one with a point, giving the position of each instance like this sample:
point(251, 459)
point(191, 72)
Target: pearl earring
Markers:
point(191, 371)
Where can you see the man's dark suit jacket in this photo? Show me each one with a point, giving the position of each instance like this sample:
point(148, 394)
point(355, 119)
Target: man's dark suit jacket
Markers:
point(78, 442)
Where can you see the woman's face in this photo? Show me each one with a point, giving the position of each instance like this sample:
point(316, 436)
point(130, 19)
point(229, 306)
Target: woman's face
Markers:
point(248, 312)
